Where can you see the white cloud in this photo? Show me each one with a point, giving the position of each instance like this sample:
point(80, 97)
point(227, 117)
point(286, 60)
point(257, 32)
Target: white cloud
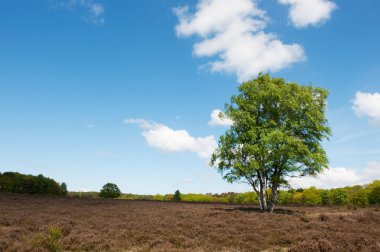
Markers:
point(217, 121)
point(305, 13)
point(367, 104)
point(161, 137)
point(233, 32)
point(94, 12)
point(339, 177)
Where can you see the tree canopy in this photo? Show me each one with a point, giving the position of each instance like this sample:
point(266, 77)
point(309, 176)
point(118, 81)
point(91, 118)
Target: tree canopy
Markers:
point(15, 182)
point(277, 131)
point(110, 190)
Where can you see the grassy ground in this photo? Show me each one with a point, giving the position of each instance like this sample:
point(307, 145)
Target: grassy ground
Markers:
point(42, 223)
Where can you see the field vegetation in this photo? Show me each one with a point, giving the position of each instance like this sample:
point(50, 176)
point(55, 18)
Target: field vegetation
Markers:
point(55, 223)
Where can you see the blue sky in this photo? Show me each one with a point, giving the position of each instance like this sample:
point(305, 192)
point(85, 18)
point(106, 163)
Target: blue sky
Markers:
point(123, 91)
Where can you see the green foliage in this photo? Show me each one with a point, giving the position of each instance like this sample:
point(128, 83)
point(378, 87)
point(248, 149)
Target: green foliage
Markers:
point(326, 198)
point(20, 183)
point(277, 131)
point(311, 196)
point(50, 242)
point(63, 188)
point(375, 183)
point(284, 197)
point(110, 190)
point(192, 197)
point(374, 195)
point(339, 196)
point(360, 198)
point(249, 198)
point(358, 195)
point(83, 194)
point(355, 195)
point(177, 196)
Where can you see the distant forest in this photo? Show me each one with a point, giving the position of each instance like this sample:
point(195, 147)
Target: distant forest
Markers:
point(15, 182)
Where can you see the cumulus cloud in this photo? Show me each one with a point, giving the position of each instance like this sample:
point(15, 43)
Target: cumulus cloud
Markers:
point(233, 32)
point(339, 177)
point(215, 120)
point(94, 12)
point(305, 13)
point(367, 104)
point(162, 137)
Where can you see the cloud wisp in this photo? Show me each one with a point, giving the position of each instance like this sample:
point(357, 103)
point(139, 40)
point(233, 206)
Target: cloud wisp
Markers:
point(162, 137)
point(233, 36)
point(339, 177)
point(304, 13)
point(94, 11)
point(367, 104)
point(216, 120)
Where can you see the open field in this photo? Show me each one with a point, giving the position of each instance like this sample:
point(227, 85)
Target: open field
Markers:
point(42, 223)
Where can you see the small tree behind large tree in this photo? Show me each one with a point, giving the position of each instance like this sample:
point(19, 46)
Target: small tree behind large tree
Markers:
point(277, 132)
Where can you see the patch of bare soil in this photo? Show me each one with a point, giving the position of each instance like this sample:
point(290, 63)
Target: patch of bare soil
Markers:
point(42, 223)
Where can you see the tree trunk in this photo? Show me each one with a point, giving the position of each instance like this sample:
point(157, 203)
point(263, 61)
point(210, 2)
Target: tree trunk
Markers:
point(263, 201)
point(273, 199)
point(261, 192)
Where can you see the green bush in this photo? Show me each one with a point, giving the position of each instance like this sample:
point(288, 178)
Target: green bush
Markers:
point(326, 198)
point(311, 196)
point(374, 195)
point(50, 242)
point(177, 196)
point(110, 190)
point(284, 197)
point(339, 196)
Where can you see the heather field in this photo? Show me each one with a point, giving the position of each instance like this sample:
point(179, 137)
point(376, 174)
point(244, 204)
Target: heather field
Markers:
point(47, 223)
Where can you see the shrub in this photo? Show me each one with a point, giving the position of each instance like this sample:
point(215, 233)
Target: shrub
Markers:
point(339, 196)
point(110, 190)
point(374, 195)
point(360, 198)
point(311, 196)
point(177, 196)
point(51, 241)
point(326, 198)
point(284, 197)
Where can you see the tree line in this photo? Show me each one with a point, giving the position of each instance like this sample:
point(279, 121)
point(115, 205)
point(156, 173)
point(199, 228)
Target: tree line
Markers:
point(357, 195)
point(15, 182)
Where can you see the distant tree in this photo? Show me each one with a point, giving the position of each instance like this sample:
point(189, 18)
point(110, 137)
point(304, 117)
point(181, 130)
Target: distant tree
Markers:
point(339, 196)
point(110, 190)
point(311, 196)
point(373, 184)
point(276, 133)
point(326, 197)
point(360, 198)
point(177, 196)
point(374, 195)
point(63, 188)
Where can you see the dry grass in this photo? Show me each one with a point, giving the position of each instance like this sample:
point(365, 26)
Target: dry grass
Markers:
point(40, 223)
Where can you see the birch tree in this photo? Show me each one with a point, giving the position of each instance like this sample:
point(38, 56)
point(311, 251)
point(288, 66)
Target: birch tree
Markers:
point(277, 133)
